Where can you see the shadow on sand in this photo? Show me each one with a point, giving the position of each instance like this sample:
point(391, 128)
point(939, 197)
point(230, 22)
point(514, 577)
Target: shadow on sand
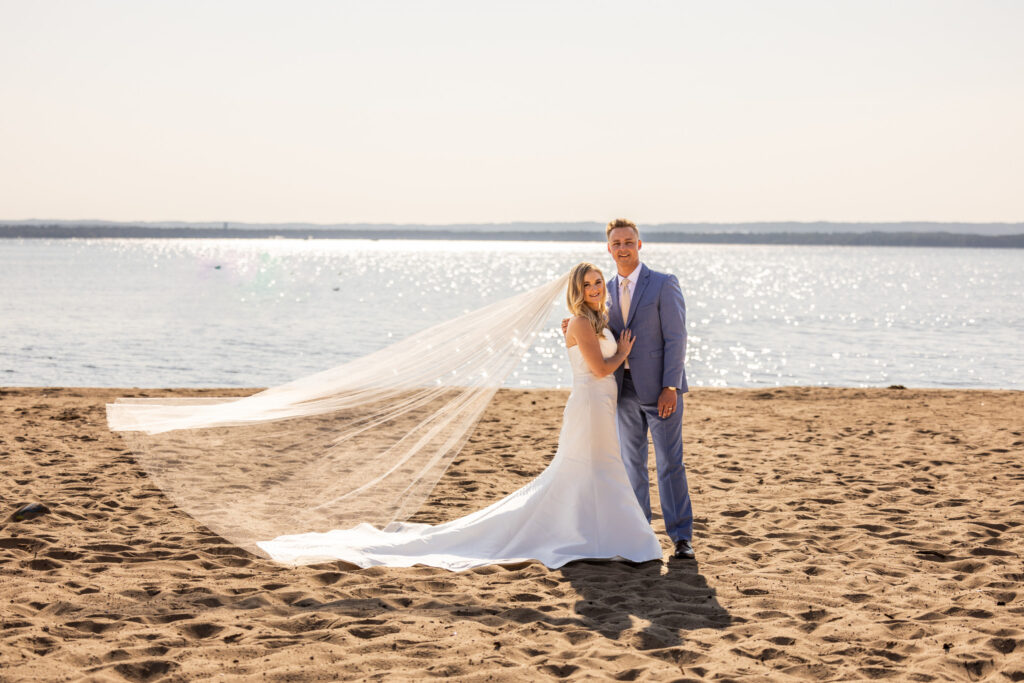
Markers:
point(648, 606)
point(651, 603)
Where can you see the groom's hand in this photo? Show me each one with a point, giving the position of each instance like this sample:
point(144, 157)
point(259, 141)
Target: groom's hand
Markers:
point(565, 325)
point(666, 402)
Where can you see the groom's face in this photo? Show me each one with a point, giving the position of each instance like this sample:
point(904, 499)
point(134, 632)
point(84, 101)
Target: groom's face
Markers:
point(624, 246)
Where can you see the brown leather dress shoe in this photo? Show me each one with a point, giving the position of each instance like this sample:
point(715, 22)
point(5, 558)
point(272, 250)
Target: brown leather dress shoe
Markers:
point(684, 551)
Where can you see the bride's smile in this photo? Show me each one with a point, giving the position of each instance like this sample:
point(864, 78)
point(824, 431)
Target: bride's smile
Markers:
point(593, 290)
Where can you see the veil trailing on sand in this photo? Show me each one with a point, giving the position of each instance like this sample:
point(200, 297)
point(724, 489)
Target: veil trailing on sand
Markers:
point(362, 442)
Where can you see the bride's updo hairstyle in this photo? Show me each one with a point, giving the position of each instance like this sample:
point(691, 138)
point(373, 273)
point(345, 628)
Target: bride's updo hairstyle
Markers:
point(576, 300)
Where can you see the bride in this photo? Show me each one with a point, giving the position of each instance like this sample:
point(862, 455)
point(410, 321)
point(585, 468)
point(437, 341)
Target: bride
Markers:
point(581, 506)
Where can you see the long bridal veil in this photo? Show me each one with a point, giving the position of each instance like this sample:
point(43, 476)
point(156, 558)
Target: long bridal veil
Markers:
point(362, 442)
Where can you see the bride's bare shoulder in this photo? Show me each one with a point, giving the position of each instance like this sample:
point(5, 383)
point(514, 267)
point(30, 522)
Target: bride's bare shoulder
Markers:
point(579, 329)
point(580, 322)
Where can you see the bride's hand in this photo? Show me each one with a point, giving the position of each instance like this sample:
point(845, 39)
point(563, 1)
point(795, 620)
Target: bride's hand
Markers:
point(626, 340)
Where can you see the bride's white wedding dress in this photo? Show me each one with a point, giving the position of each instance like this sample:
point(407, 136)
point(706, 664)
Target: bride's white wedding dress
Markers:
point(581, 506)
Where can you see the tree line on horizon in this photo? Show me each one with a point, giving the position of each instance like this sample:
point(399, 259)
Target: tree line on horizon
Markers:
point(872, 238)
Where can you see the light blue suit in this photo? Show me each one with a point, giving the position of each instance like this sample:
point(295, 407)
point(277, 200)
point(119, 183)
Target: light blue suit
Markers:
point(657, 317)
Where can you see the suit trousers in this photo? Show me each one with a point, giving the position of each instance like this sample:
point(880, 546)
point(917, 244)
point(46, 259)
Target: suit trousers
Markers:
point(634, 419)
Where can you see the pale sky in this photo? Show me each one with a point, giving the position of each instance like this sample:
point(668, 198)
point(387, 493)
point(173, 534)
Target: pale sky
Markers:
point(483, 111)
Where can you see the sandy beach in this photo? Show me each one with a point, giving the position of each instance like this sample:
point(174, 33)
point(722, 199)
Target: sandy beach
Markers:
point(841, 534)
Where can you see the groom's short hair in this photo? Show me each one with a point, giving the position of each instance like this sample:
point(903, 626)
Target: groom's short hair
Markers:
point(621, 223)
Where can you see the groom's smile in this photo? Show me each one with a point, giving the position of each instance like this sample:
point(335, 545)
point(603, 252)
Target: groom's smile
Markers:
point(624, 246)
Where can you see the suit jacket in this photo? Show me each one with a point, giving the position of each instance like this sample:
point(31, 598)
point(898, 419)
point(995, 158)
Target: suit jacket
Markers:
point(657, 317)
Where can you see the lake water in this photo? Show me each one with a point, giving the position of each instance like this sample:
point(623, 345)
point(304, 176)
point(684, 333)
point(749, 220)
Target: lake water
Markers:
point(172, 313)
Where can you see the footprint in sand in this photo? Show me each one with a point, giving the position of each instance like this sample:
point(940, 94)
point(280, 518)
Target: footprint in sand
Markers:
point(144, 670)
point(200, 630)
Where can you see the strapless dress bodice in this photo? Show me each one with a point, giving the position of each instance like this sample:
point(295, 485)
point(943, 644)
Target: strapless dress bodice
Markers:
point(580, 370)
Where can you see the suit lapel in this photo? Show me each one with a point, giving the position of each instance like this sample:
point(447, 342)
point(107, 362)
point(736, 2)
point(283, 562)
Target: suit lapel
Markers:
point(641, 286)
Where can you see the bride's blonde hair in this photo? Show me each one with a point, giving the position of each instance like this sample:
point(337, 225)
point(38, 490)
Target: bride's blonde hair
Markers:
point(576, 300)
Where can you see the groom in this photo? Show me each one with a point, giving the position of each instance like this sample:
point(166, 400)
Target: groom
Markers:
point(652, 381)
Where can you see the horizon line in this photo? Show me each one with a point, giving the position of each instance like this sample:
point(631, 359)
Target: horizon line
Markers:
point(507, 222)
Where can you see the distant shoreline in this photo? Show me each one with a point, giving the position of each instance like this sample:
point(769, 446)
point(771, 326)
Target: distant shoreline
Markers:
point(874, 238)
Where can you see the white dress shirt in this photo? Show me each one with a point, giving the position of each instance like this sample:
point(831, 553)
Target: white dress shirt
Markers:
point(631, 282)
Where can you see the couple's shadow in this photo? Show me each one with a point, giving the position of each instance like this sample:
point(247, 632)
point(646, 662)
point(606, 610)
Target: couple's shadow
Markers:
point(651, 604)
point(646, 606)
